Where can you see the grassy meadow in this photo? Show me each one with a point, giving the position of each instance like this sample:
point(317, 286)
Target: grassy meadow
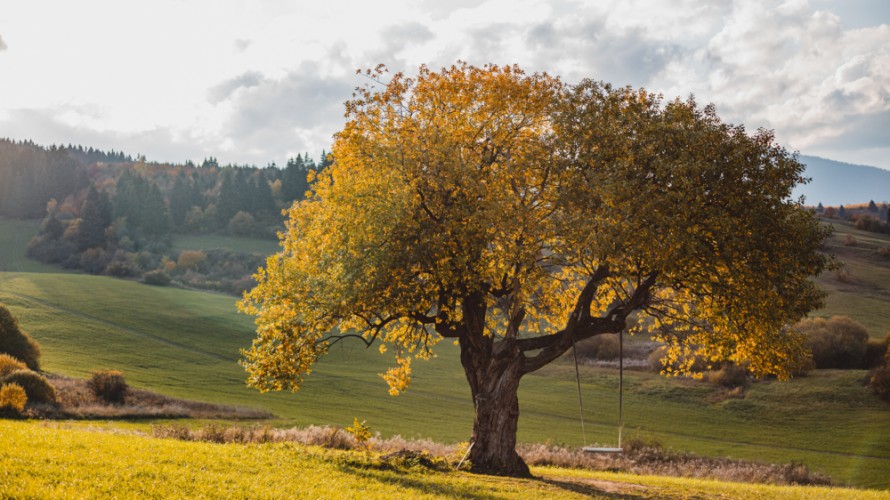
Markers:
point(861, 289)
point(185, 344)
point(82, 462)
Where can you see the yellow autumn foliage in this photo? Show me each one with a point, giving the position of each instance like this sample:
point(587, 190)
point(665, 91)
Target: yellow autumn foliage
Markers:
point(490, 205)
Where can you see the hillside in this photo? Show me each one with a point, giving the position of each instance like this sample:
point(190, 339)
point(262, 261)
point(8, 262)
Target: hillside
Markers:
point(835, 183)
point(861, 289)
point(185, 344)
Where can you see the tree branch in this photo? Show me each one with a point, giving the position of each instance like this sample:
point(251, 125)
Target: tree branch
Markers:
point(581, 326)
point(333, 339)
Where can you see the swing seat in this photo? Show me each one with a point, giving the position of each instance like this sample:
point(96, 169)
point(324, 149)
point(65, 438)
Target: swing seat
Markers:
point(596, 449)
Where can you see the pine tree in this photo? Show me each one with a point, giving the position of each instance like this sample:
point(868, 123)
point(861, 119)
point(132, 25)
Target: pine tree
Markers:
point(95, 215)
point(181, 199)
point(294, 183)
point(156, 221)
point(231, 195)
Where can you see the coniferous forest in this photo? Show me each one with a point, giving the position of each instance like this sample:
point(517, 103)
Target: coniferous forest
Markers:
point(109, 213)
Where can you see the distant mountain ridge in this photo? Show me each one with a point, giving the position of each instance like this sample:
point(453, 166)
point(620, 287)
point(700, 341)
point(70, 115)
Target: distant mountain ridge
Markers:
point(835, 183)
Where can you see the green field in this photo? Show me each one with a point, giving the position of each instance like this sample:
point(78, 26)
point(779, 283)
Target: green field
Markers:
point(864, 293)
point(216, 242)
point(89, 463)
point(185, 343)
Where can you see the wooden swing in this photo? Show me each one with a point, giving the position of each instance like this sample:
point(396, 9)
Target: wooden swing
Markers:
point(603, 449)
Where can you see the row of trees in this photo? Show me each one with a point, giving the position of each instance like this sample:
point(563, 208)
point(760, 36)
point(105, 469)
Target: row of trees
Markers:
point(118, 215)
point(871, 217)
point(873, 210)
point(155, 198)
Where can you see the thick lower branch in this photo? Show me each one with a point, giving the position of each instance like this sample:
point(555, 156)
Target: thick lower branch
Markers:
point(560, 342)
point(581, 326)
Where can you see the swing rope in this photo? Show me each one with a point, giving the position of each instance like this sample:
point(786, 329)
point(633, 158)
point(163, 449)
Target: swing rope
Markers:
point(620, 388)
point(580, 403)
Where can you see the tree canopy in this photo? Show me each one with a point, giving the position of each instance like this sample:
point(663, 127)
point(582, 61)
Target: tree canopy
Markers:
point(517, 215)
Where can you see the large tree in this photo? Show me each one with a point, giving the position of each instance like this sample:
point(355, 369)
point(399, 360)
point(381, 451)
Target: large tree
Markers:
point(518, 215)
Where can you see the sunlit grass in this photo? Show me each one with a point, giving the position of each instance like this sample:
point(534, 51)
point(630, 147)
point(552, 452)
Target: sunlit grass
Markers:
point(215, 242)
point(51, 461)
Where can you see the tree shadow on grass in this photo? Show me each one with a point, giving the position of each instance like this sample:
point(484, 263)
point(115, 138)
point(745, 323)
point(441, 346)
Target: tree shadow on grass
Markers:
point(409, 480)
point(588, 489)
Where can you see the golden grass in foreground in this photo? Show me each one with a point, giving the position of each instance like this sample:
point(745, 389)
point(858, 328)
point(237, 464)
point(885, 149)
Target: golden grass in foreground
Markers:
point(41, 460)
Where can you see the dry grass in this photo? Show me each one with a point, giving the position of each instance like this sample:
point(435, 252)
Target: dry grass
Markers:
point(639, 457)
point(649, 458)
point(76, 400)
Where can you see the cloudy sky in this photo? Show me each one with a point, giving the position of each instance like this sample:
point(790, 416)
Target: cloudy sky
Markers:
point(259, 81)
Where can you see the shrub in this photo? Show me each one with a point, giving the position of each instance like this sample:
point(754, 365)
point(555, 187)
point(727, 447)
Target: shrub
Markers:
point(242, 224)
point(729, 375)
point(837, 342)
point(109, 385)
point(191, 260)
point(599, 347)
point(121, 269)
point(9, 364)
point(875, 351)
point(15, 342)
point(13, 396)
point(361, 433)
point(880, 378)
point(38, 389)
point(94, 260)
point(157, 277)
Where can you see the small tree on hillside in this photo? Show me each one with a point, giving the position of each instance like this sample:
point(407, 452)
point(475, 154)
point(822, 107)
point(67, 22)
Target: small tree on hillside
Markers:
point(516, 215)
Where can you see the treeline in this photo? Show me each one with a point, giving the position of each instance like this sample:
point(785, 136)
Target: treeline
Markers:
point(108, 213)
point(870, 217)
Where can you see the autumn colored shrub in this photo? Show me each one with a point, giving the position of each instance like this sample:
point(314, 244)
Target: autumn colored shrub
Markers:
point(880, 378)
point(603, 347)
point(15, 342)
point(191, 260)
point(361, 432)
point(157, 278)
point(38, 389)
point(9, 364)
point(13, 396)
point(109, 385)
point(242, 224)
point(729, 375)
point(875, 350)
point(836, 342)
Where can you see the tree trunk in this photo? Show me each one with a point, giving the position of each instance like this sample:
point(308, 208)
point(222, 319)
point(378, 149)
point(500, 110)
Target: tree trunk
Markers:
point(494, 381)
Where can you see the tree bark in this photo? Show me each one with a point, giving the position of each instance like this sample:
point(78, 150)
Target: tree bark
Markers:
point(494, 382)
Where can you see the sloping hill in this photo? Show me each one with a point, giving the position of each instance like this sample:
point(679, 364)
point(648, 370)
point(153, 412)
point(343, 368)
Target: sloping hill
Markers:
point(185, 343)
point(836, 183)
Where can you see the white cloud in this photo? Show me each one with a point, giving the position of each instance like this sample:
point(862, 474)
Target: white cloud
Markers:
point(255, 81)
point(794, 69)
